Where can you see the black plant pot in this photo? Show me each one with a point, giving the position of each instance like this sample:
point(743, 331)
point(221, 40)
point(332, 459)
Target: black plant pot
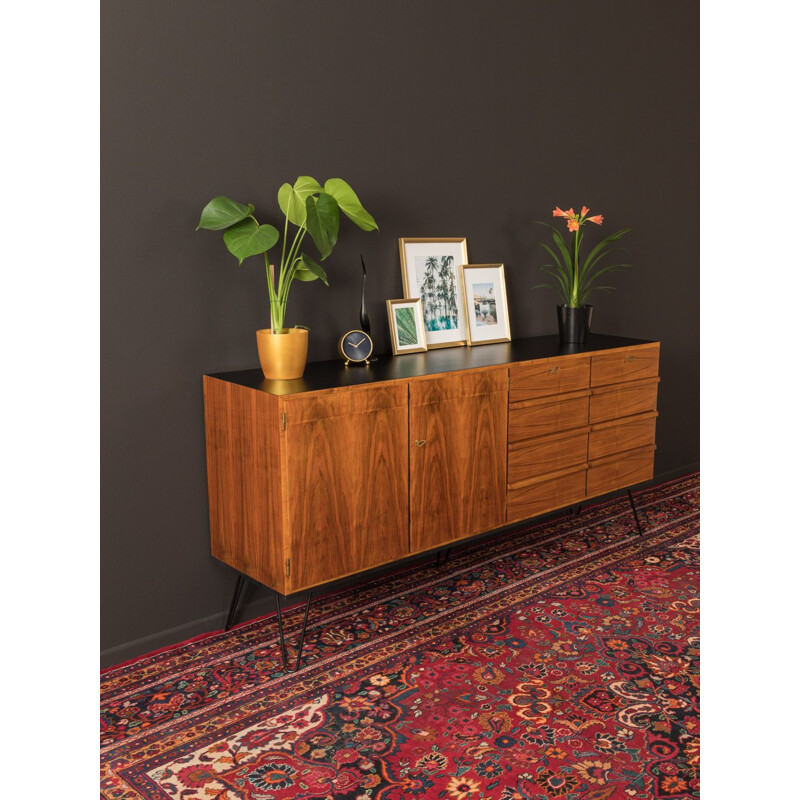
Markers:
point(574, 323)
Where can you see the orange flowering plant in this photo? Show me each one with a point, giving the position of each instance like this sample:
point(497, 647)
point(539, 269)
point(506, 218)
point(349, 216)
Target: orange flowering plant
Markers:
point(572, 279)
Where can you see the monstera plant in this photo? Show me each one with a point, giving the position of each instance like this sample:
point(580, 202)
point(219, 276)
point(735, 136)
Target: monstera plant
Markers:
point(313, 209)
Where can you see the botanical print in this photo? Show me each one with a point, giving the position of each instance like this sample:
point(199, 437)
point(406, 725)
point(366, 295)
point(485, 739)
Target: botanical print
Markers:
point(484, 304)
point(436, 287)
point(406, 327)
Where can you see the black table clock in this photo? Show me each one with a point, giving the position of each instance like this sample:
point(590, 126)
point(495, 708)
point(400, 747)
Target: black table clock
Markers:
point(355, 347)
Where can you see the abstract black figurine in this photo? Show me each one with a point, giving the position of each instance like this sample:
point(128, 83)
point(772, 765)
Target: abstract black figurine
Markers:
point(364, 316)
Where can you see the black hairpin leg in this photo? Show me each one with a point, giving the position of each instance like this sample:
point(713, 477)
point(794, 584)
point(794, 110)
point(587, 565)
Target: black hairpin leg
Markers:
point(576, 509)
point(439, 560)
point(635, 515)
point(284, 654)
point(237, 593)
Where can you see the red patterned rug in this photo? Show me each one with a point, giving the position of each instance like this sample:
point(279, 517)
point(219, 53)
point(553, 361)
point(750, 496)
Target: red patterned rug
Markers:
point(559, 661)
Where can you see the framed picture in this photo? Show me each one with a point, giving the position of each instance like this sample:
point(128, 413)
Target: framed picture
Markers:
point(405, 326)
point(486, 303)
point(432, 272)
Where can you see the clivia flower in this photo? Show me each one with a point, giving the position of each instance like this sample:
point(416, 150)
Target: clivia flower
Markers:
point(573, 280)
point(576, 220)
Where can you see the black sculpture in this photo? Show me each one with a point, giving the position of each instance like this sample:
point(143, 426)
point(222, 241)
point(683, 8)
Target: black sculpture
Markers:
point(364, 317)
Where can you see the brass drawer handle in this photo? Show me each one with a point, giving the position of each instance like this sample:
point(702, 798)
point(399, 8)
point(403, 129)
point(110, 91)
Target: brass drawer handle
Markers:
point(629, 358)
point(554, 370)
point(421, 442)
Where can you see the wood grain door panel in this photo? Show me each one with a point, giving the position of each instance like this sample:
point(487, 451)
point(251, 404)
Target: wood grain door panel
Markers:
point(458, 466)
point(346, 493)
point(552, 376)
point(427, 391)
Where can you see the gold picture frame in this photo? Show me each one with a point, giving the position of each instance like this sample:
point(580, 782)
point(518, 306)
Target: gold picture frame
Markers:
point(486, 302)
point(406, 339)
point(428, 266)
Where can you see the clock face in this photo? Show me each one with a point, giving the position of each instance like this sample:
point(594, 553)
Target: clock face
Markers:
point(355, 346)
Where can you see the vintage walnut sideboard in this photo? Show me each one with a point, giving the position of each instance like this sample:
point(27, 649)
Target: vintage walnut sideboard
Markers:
point(353, 467)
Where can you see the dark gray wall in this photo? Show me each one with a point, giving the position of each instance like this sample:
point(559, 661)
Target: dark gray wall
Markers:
point(449, 119)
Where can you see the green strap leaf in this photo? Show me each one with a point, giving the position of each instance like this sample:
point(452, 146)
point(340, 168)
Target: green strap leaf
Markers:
point(322, 221)
point(600, 246)
point(555, 258)
point(248, 238)
point(292, 199)
point(586, 288)
point(221, 213)
point(350, 204)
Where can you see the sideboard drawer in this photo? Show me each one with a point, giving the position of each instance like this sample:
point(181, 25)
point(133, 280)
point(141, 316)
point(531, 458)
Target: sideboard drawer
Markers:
point(549, 415)
point(546, 454)
point(429, 391)
point(551, 377)
point(623, 434)
point(619, 471)
point(551, 492)
point(630, 364)
point(623, 400)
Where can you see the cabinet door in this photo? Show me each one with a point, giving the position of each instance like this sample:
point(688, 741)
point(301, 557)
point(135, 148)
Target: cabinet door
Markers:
point(346, 487)
point(458, 428)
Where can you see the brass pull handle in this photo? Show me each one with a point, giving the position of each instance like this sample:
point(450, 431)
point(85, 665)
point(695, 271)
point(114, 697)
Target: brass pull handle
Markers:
point(629, 358)
point(421, 442)
point(554, 370)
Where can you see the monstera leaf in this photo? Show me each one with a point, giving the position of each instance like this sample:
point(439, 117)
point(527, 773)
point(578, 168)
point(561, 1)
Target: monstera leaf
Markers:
point(322, 221)
point(309, 270)
point(248, 238)
point(221, 213)
point(292, 199)
point(350, 204)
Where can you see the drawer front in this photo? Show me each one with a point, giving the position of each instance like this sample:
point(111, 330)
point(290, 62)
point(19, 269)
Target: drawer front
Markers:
point(619, 472)
point(630, 364)
point(538, 379)
point(548, 494)
point(456, 386)
point(538, 418)
point(536, 457)
point(342, 403)
point(623, 400)
point(620, 435)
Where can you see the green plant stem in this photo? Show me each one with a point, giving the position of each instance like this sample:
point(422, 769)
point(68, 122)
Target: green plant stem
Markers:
point(283, 291)
point(573, 300)
point(278, 304)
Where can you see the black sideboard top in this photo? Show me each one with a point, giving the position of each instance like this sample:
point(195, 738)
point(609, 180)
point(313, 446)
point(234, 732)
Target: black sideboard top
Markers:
point(332, 374)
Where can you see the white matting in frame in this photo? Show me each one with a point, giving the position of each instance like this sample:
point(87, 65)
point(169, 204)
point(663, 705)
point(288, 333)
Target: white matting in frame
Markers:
point(432, 271)
point(486, 303)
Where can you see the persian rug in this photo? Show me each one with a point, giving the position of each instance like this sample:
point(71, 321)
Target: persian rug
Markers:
point(556, 661)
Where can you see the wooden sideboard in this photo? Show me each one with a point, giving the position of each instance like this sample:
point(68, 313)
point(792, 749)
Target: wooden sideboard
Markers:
point(353, 467)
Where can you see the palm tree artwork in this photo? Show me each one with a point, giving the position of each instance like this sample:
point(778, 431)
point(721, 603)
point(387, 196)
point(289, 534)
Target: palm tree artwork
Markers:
point(436, 280)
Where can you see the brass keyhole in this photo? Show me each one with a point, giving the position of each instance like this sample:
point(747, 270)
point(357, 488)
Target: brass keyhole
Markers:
point(554, 370)
point(421, 442)
point(629, 358)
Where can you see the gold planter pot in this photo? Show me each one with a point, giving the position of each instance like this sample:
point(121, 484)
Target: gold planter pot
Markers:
point(282, 356)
